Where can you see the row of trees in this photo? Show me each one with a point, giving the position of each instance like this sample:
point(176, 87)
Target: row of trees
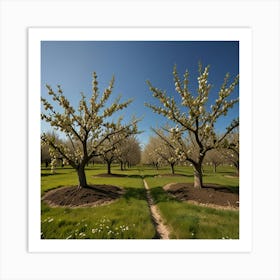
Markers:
point(91, 131)
point(126, 152)
point(158, 153)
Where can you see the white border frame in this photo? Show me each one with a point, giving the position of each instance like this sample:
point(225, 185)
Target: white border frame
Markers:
point(243, 35)
point(262, 16)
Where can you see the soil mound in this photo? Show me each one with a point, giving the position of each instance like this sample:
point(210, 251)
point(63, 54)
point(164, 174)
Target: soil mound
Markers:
point(72, 196)
point(209, 195)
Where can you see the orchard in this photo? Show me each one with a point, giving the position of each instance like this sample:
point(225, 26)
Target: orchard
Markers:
point(98, 176)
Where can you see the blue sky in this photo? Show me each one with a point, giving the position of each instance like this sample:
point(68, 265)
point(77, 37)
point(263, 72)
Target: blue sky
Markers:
point(71, 64)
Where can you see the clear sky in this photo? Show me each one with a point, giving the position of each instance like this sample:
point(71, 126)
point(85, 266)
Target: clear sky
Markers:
point(71, 64)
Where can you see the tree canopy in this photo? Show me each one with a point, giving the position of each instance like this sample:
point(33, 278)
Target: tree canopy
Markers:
point(88, 129)
point(194, 132)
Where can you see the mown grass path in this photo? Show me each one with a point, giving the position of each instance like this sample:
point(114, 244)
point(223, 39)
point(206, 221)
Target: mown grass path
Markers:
point(162, 232)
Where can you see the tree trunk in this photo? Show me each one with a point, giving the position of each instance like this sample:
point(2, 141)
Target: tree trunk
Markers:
point(172, 168)
point(109, 167)
point(82, 177)
point(198, 176)
point(215, 168)
point(122, 166)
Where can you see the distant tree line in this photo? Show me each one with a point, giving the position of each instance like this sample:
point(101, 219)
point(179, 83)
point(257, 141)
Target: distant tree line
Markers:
point(158, 153)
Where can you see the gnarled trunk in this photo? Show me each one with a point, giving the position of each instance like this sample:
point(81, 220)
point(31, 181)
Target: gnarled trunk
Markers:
point(198, 176)
point(82, 176)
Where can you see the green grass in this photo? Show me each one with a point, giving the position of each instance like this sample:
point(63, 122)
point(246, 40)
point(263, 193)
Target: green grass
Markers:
point(129, 216)
point(188, 221)
point(122, 219)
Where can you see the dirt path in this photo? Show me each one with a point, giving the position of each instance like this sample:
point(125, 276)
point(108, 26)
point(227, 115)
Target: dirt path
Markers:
point(162, 231)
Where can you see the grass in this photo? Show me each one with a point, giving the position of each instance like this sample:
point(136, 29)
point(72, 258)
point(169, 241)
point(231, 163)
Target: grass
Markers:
point(129, 216)
point(126, 218)
point(119, 220)
point(188, 221)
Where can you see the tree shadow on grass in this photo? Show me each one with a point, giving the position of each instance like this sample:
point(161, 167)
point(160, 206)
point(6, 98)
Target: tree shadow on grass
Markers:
point(135, 193)
point(230, 173)
point(222, 188)
point(51, 174)
point(148, 176)
point(159, 195)
point(117, 175)
point(167, 175)
point(135, 176)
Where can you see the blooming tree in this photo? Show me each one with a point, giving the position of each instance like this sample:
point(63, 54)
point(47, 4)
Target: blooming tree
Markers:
point(109, 155)
point(230, 149)
point(149, 154)
point(45, 155)
point(88, 129)
point(50, 156)
point(168, 155)
point(125, 150)
point(163, 153)
point(215, 158)
point(112, 144)
point(194, 132)
point(128, 152)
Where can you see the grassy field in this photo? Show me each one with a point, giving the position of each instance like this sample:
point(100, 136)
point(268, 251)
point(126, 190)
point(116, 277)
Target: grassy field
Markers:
point(129, 216)
point(126, 218)
point(191, 221)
